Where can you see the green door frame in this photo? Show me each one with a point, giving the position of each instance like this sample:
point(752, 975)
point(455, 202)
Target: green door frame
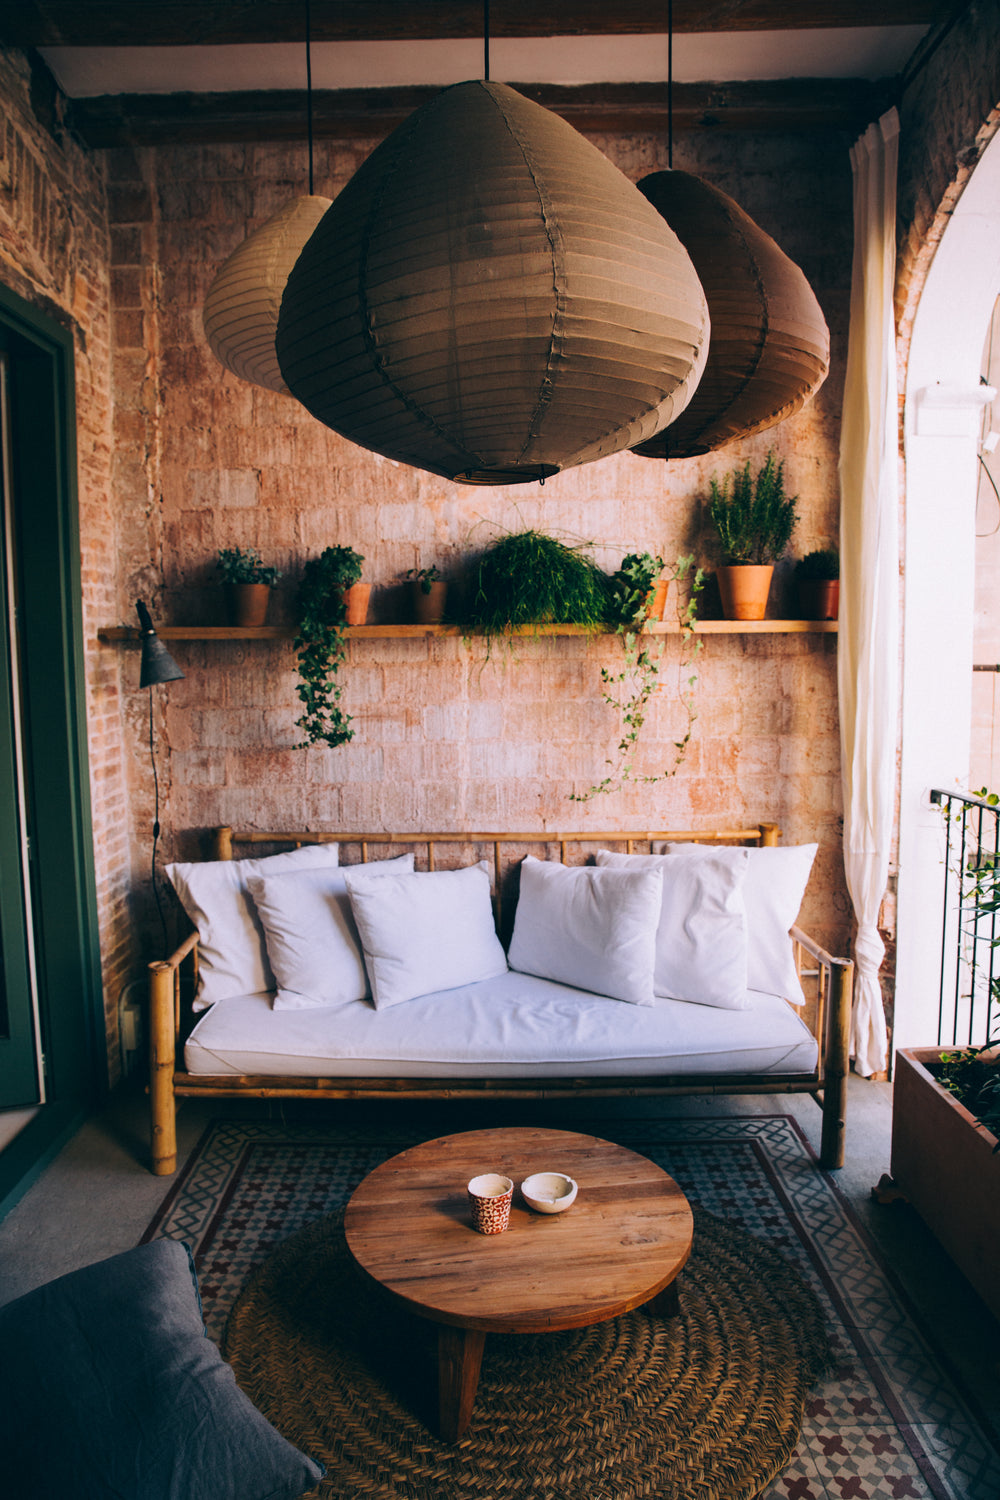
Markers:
point(64, 892)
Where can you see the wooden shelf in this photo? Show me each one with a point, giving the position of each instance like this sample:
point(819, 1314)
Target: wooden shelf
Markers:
point(408, 632)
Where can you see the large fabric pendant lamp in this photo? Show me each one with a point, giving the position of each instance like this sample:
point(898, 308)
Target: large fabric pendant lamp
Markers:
point(491, 300)
point(770, 346)
point(240, 315)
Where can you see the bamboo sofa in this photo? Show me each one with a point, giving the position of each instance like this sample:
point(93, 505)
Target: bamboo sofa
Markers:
point(815, 1062)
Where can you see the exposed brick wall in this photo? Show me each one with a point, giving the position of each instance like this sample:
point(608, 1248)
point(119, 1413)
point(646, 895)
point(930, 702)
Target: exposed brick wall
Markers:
point(443, 740)
point(948, 116)
point(54, 253)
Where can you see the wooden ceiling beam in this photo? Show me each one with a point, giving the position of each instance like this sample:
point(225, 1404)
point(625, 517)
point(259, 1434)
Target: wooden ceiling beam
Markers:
point(151, 23)
point(164, 119)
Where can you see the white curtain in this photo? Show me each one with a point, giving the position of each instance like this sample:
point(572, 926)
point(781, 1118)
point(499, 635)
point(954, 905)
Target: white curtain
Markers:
point(868, 655)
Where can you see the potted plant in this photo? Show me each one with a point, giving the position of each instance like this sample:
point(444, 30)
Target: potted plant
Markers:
point(754, 520)
point(428, 591)
point(817, 584)
point(248, 584)
point(323, 615)
point(530, 578)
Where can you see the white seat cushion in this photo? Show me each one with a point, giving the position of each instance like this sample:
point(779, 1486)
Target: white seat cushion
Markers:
point(512, 1026)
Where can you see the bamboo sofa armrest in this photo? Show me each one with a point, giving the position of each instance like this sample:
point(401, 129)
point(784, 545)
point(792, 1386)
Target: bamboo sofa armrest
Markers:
point(164, 1030)
point(835, 995)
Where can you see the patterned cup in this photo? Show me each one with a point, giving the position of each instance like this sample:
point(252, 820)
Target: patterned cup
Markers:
point(489, 1202)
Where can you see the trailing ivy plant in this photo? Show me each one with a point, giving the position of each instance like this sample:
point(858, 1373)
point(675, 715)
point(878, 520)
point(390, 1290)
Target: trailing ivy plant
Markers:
point(320, 643)
point(629, 690)
point(754, 518)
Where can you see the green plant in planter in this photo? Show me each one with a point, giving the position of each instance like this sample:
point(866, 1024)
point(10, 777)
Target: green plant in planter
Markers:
point(531, 578)
point(973, 1076)
point(245, 565)
point(628, 692)
point(320, 643)
point(753, 518)
point(822, 565)
point(424, 576)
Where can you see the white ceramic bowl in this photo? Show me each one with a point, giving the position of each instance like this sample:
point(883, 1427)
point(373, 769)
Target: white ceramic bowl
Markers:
point(548, 1192)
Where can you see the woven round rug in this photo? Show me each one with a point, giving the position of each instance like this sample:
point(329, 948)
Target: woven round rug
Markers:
point(704, 1406)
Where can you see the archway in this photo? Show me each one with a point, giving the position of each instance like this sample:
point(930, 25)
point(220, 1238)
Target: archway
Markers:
point(944, 400)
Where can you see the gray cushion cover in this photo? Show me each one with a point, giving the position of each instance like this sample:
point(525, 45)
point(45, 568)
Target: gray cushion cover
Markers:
point(110, 1387)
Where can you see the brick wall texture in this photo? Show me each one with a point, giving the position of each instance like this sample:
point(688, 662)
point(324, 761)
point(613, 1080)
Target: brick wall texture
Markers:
point(178, 458)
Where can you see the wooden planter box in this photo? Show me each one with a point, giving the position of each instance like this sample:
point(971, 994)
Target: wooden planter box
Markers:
point(943, 1163)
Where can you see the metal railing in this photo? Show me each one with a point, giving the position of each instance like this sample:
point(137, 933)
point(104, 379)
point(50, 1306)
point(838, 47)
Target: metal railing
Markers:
point(969, 1005)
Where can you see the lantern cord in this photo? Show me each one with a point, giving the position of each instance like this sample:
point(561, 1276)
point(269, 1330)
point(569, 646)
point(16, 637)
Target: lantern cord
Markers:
point(486, 40)
point(309, 96)
point(670, 83)
point(156, 822)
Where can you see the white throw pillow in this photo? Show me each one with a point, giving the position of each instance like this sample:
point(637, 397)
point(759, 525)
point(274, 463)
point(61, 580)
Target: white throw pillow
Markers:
point(701, 935)
point(231, 951)
point(312, 940)
point(430, 931)
point(775, 885)
point(593, 929)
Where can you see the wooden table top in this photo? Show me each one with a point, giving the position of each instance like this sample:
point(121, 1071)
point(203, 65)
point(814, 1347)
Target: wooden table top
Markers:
point(624, 1240)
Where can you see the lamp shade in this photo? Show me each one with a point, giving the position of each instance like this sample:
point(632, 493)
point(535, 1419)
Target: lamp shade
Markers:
point(770, 346)
point(240, 315)
point(156, 664)
point(490, 299)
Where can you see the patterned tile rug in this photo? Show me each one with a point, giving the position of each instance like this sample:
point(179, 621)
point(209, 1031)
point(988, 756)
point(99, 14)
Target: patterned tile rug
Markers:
point(889, 1424)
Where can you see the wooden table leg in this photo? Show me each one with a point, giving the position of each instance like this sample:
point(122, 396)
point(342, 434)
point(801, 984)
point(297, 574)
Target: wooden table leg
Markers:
point(460, 1354)
point(666, 1304)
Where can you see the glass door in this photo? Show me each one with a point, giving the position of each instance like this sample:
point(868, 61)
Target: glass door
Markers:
point(21, 1074)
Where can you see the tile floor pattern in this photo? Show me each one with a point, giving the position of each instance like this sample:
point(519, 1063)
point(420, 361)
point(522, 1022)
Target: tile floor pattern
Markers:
point(890, 1424)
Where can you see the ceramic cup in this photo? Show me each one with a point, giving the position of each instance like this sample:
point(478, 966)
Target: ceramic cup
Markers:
point(489, 1202)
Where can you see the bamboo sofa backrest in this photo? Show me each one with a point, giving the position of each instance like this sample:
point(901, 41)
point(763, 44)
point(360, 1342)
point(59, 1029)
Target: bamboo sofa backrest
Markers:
point(442, 851)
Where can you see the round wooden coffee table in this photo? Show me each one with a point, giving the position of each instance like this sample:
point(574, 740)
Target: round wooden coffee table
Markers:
point(622, 1243)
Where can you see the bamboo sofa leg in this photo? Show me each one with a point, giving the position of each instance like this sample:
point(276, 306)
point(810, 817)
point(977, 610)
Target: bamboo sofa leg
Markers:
point(837, 1063)
point(162, 1047)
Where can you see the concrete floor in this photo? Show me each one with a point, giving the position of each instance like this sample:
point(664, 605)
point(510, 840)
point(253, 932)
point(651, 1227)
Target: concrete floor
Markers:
point(97, 1197)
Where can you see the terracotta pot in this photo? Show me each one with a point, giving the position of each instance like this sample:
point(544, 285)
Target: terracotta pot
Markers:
point(248, 603)
point(819, 598)
point(945, 1164)
point(428, 609)
point(658, 603)
point(356, 602)
point(744, 588)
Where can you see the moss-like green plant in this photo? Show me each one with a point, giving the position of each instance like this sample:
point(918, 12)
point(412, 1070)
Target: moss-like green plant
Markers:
point(754, 519)
point(531, 578)
point(320, 643)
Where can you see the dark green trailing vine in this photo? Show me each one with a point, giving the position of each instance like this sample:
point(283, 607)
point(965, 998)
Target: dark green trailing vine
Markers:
point(321, 646)
point(629, 691)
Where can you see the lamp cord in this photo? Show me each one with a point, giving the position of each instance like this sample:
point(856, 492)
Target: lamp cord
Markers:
point(670, 83)
point(156, 823)
point(309, 96)
point(486, 40)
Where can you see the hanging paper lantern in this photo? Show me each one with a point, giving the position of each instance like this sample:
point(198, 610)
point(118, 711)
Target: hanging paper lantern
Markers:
point(490, 299)
point(770, 346)
point(241, 310)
